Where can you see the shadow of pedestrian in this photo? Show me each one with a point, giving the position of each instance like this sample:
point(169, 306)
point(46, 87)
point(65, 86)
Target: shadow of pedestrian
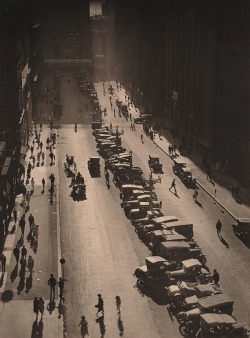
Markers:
point(51, 306)
point(35, 328)
point(42, 192)
point(7, 296)
point(14, 273)
point(100, 321)
point(40, 329)
point(20, 242)
point(1, 279)
point(120, 326)
point(21, 284)
point(61, 309)
point(223, 241)
point(29, 281)
point(199, 204)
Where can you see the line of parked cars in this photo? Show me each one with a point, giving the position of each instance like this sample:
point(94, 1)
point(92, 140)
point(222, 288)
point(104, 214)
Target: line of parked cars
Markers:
point(199, 305)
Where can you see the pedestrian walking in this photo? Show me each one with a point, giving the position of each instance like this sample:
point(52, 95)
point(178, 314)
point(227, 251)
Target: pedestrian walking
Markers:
point(107, 177)
point(43, 183)
point(114, 113)
point(24, 205)
point(43, 156)
point(142, 138)
point(100, 304)
point(3, 262)
point(41, 146)
point(28, 196)
point(218, 227)
point(216, 277)
point(15, 215)
point(31, 150)
point(41, 306)
point(36, 306)
point(22, 224)
point(23, 252)
point(84, 327)
point(32, 184)
point(173, 185)
point(30, 264)
point(31, 220)
point(16, 253)
point(41, 126)
point(52, 284)
point(195, 194)
point(61, 288)
point(131, 126)
point(110, 125)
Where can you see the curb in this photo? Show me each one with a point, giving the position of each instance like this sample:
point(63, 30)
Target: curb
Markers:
point(198, 183)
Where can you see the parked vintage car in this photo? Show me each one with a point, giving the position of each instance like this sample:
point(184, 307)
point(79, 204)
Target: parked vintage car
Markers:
point(174, 250)
point(184, 228)
point(179, 164)
point(179, 294)
point(219, 303)
point(94, 165)
point(242, 227)
point(201, 291)
point(154, 270)
point(154, 163)
point(127, 191)
point(220, 325)
point(192, 270)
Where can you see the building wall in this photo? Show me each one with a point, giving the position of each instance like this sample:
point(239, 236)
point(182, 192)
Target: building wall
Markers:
point(231, 141)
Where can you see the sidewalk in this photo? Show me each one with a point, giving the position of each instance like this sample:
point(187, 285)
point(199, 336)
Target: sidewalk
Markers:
point(17, 286)
point(222, 183)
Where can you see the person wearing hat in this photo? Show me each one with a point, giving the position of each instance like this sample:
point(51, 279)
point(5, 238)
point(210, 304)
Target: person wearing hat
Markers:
point(100, 304)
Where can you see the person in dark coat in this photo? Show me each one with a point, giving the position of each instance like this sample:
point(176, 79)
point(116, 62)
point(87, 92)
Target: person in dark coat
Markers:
point(218, 227)
point(100, 304)
point(3, 261)
point(16, 253)
point(216, 277)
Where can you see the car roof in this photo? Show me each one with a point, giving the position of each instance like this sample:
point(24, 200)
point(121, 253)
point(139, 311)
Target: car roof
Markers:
point(154, 156)
point(179, 161)
point(163, 219)
point(177, 224)
point(186, 170)
point(132, 186)
point(143, 196)
point(219, 299)
point(218, 318)
point(164, 232)
point(243, 220)
point(155, 259)
point(94, 158)
point(189, 263)
point(174, 237)
point(205, 288)
point(175, 245)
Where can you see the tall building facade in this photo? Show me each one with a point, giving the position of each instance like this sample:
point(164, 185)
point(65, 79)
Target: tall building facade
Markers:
point(188, 61)
point(231, 134)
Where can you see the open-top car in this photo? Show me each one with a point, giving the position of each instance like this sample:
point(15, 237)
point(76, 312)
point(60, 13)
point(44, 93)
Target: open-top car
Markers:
point(179, 164)
point(219, 303)
point(154, 163)
point(94, 165)
point(220, 325)
point(176, 250)
point(191, 271)
point(242, 227)
point(154, 270)
point(181, 292)
point(201, 291)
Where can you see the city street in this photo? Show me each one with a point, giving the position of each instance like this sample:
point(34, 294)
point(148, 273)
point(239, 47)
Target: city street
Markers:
point(99, 244)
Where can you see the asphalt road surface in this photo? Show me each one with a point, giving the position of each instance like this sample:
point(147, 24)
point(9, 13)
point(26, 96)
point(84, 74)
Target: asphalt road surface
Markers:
point(102, 250)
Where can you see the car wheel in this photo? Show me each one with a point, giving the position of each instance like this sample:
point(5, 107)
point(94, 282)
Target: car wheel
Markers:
point(177, 302)
point(149, 280)
point(181, 320)
point(188, 329)
point(203, 260)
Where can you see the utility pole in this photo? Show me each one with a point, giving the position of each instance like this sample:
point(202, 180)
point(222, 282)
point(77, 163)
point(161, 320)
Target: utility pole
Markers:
point(151, 182)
